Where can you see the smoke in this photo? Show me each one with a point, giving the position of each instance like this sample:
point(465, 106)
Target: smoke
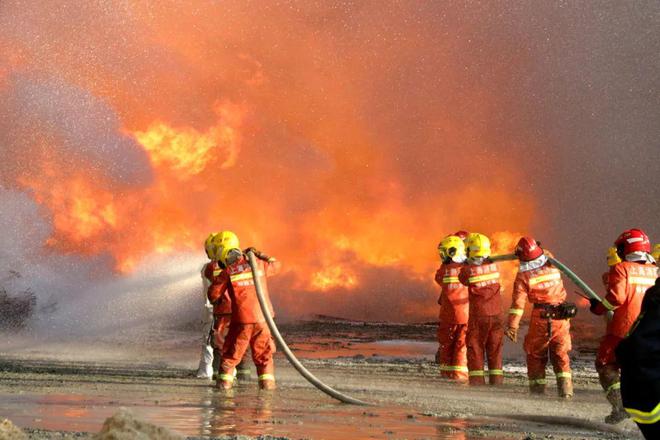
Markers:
point(346, 139)
point(45, 117)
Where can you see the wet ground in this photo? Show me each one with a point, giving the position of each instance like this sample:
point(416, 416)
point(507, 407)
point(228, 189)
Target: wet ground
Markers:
point(44, 387)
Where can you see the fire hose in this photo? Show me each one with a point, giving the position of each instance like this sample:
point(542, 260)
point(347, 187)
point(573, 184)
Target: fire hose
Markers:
point(285, 348)
point(566, 271)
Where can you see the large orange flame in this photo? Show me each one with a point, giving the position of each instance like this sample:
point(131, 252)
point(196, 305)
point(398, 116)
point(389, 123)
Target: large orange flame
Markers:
point(299, 141)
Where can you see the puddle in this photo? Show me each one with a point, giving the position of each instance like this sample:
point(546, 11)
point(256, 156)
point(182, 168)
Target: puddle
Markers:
point(319, 348)
point(204, 412)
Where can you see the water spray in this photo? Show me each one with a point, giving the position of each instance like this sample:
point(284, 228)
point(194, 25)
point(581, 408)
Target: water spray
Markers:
point(285, 348)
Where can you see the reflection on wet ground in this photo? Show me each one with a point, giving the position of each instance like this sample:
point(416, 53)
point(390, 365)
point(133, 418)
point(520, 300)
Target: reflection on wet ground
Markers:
point(205, 412)
point(319, 348)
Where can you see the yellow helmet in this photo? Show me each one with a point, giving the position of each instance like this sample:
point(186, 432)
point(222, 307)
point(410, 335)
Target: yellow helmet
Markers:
point(656, 252)
point(452, 247)
point(612, 257)
point(478, 245)
point(209, 247)
point(224, 242)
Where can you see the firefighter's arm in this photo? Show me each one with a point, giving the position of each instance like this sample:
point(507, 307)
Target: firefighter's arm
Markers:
point(464, 276)
point(617, 281)
point(438, 276)
point(218, 287)
point(518, 300)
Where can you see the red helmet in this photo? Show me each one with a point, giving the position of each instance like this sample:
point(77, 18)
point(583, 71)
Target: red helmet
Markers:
point(632, 240)
point(461, 234)
point(528, 249)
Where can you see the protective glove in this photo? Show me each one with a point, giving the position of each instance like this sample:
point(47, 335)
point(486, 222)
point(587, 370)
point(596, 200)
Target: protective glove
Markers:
point(512, 333)
point(260, 255)
point(593, 305)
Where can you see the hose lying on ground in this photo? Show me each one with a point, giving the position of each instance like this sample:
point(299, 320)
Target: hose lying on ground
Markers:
point(285, 348)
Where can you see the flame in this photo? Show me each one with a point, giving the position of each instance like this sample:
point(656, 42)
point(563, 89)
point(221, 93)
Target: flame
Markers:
point(250, 126)
point(333, 277)
point(187, 151)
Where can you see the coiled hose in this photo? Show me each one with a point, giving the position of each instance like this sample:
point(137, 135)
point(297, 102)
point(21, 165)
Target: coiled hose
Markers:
point(285, 348)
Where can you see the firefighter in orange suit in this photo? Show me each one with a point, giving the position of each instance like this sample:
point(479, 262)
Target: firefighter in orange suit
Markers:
point(485, 331)
point(541, 282)
point(452, 325)
point(248, 326)
point(626, 284)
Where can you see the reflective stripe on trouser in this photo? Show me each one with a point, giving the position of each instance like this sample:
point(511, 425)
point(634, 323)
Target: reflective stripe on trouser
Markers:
point(484, 340)
point(539, 348)
point(606, 365)
point(452, 352)
point(241, 336)
point(645, 417)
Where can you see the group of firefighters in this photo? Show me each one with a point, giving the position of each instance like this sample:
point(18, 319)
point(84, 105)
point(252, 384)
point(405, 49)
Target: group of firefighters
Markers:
point(470, 324)
point(471, 328)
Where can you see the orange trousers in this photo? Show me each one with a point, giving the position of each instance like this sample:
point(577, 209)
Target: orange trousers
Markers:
point(484, 339)
point(539, 344)
point(241, 336)
point(452, 351)
point(606, 365)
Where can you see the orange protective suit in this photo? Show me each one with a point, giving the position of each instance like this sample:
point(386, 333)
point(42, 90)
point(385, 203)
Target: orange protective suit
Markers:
point(248, 326)
point(543, 286)
point(452, 325)
point(626, 284)
point(485, 331)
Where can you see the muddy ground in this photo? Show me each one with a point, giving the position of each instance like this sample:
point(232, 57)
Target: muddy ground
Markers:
point(53, 394)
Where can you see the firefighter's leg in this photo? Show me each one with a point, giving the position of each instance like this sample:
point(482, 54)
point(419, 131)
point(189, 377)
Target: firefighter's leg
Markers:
point(494, 349)
point(205, 367)
point(220, 329)
point(609, 376)
point(560, 345)
point(233, 350)
point(475, 351)
point(536, 347)
point(650, 431)
point(444, 349)
point(459, 354)
point(263, 348)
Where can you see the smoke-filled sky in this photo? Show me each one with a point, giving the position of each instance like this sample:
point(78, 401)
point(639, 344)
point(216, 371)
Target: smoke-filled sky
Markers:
point(346, 138)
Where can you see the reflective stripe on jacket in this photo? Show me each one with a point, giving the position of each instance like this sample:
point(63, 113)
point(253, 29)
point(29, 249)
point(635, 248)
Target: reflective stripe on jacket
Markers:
point(238, 283)
point(542, 286)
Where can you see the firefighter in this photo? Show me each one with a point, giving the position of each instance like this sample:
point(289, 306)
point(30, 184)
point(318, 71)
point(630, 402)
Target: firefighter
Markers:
point(639, 357)
point(452, 325)
point(205, 369)
point(248, 326)
point(485, 332)
point(541, 282)
point(626, 284)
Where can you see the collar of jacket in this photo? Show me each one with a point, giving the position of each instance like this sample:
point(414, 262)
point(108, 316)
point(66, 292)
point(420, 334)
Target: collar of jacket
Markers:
point(526, 266)
point(640, 256)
